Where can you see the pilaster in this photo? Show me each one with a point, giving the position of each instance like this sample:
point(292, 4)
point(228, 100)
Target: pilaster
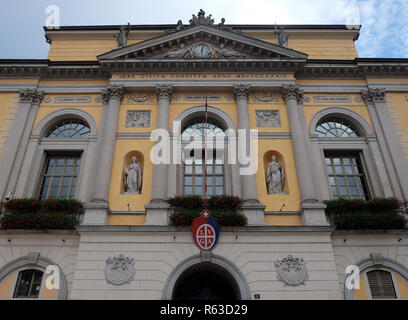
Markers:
point(17, 140)
point(157, 209)
point(252, 208)
point(97, 211)
point(391, 150)
point(311, 209)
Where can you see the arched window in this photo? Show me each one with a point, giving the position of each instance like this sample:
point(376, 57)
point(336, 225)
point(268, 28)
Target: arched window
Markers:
point(69, 128)
point(61, 169)
point(344, 162)
point(336, 128)
point(381, 284)
point(199, 128)
point(28, 284)
point(194, 182)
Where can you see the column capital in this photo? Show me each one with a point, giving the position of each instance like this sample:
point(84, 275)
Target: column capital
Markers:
point(116, 92)
point(373, 95)
point(241, 91)
point(31, 95)
point(164, 91)
point(292, 92)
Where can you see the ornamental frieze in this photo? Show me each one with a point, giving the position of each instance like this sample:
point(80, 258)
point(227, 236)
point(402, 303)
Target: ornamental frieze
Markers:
point(138, 119)
point(268, 118)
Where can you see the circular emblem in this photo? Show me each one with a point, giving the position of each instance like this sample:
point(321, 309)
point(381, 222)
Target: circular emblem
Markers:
point(205, 236)
point(201, 50)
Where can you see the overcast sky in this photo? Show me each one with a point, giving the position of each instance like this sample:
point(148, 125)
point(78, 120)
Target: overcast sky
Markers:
point(384, 30)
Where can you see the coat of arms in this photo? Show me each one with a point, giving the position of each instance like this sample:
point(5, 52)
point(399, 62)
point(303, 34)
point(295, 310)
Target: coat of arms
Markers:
point(120, 270)
point(292, 271)
point(205, 231)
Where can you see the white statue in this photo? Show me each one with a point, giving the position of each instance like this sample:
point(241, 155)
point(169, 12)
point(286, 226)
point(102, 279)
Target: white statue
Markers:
point(133, 177)
point(275, 177)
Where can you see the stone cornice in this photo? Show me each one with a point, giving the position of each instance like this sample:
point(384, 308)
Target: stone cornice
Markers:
point(292, 92)
point(373, 95)
point(241, 91)
point(31, 96)
point(302, 69)
point(164, 92)
point(113, 92)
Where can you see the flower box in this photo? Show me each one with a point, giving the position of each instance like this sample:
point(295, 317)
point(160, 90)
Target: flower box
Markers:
point(378, 213)
point(226, 209)
point(41, 215)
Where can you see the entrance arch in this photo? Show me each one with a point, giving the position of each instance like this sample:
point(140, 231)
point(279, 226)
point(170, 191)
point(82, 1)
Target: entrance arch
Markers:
point(201, 280)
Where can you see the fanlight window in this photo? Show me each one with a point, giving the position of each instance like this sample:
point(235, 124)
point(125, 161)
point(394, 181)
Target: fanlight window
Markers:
point(336, 128)
point(71, 128)
point(200, 128)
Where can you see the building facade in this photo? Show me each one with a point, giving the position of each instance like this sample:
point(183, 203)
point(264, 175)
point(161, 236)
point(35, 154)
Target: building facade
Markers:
point(83, 123)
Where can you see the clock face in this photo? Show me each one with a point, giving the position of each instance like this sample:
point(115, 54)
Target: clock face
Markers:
point(202, 50)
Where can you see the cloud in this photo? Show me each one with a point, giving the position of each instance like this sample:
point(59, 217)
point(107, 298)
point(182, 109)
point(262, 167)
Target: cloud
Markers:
point(384, 32)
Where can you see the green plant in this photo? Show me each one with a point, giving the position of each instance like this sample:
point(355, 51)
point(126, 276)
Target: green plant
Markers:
point(31, 205)
point(185, 217)
point(378, 213)
point(22, 205)
point(357, 205)
point(39, 221)
point(364, 221)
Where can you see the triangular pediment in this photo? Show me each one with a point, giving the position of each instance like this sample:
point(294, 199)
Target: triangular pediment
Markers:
point(202, 41)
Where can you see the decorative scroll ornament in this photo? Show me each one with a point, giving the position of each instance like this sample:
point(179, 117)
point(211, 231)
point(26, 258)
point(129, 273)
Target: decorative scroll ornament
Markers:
point(292, 271)
point(266, 97)
point(120, 270)
point(140, 98)
point(32, 96)
point(373, 95)
point(292, 92)
point(115, 92)
point(164, 92)
point(241, 91)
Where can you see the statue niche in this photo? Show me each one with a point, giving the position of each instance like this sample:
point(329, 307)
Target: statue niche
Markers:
point(275, 176)
point(132, 177)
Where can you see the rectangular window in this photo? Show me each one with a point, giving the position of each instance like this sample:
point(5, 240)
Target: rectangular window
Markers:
point(346, 175)
point(60, 176)
point(194, 183)
point(381, 284)
point(28, 284)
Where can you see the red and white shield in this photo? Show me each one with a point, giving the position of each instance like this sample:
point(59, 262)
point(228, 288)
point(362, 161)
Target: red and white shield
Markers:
point(204, 234)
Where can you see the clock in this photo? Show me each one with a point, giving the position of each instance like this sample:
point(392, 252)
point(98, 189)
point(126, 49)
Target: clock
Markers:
point(202, 50)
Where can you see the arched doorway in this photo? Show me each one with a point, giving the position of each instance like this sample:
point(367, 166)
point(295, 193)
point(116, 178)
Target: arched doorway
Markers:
point(206, 281)
point(195, 279)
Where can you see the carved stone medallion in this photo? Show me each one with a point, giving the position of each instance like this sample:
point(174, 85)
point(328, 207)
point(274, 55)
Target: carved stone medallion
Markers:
point(120, 270)
point(138, 119)
point(292, 271)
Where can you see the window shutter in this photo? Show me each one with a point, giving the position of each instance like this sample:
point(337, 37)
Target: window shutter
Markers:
point(381, 285)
